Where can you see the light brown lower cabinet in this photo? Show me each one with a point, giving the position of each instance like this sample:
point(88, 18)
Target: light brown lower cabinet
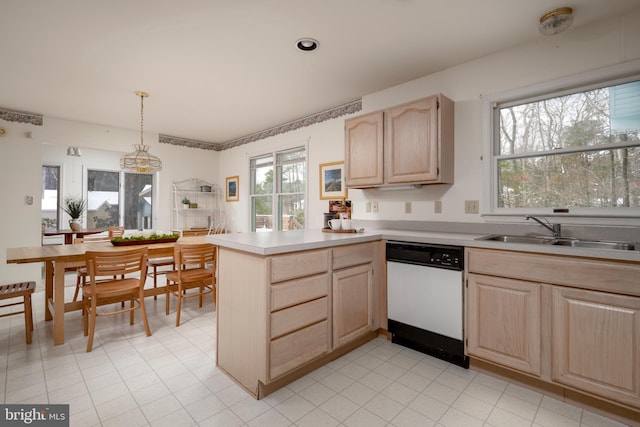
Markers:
point(352, 303)
point(596, 343)
point(281, 315)
point(568, 321)
point(504, 322)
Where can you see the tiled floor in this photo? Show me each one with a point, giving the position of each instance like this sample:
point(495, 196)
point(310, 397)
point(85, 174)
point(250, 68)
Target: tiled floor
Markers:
point(170, 379)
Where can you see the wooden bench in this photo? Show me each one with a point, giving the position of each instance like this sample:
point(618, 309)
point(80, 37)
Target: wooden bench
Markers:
point(23, 289)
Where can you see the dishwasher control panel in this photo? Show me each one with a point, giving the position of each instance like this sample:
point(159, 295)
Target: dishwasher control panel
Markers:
point(443, 256)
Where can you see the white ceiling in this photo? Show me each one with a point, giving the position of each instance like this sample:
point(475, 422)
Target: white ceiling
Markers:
point(217, 70)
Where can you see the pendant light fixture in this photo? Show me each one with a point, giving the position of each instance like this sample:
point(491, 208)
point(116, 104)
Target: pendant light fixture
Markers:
point(141, 160)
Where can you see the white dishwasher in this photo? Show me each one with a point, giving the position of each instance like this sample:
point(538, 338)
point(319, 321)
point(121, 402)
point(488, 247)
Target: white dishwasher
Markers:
point(425, 299)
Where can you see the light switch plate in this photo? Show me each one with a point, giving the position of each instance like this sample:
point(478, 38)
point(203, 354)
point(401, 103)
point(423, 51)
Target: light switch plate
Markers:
point(437, 206)
point(407, 207)
point(374, 207)
point(471, 206)
point(367, 208)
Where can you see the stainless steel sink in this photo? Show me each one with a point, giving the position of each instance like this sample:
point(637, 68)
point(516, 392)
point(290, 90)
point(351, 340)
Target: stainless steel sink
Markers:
point(575, 243)
point(505, 238)
point(594, 244)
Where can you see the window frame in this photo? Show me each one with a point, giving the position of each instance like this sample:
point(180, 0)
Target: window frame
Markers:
point(277, 185)
point(121, 192)
point(608, 76)
point(58, 209)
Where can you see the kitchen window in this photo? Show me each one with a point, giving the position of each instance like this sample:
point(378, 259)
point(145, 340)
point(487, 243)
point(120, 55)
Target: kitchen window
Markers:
point(574, 151)
point(278, 190)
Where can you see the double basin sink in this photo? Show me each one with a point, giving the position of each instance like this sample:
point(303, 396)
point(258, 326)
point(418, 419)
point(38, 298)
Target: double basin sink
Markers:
point(561, 241)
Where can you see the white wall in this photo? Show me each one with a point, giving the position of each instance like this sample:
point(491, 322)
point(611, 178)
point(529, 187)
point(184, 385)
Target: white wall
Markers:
point(19, 177)
point(24, 149)
point(325, 142)
point(580, 49)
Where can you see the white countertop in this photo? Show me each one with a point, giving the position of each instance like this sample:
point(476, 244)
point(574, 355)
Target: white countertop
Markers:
point(279, 242)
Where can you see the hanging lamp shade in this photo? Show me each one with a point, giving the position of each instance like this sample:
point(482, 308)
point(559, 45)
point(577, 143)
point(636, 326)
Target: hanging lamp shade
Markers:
point(141, 160)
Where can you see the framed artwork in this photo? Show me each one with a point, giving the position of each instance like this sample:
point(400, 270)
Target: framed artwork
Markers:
point(332, 185)
point(232, 189)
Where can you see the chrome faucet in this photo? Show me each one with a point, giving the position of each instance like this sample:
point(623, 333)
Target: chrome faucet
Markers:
point(556, 229)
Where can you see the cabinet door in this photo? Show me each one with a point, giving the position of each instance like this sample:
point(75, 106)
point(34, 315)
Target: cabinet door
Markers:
point(364, 166)
point(411, 142)
point(596, 343)
point(352, 303)
point(503, 322)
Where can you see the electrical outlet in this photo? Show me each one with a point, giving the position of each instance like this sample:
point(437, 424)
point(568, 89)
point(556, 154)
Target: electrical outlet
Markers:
point(437, 206)
point(471, 206)
point(407, 207)
point(367, 208)
point(374, 207)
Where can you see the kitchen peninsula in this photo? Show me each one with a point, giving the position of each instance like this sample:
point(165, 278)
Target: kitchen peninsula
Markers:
point(289, 302)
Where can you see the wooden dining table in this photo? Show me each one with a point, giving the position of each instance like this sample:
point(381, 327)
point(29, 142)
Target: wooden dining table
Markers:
point(68, 233)
point(58, 257)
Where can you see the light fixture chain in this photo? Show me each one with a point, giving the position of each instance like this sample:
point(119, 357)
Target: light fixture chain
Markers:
point(141, 119)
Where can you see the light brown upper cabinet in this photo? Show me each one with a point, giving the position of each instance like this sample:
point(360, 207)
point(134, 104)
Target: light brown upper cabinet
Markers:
point(410, 143)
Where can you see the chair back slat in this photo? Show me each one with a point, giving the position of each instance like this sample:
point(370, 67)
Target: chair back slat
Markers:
point(200, 255)
point(115, 231)
point(116, 263)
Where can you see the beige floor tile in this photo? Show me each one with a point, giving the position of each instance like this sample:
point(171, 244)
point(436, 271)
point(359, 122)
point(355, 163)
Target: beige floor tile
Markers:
point(170, 379)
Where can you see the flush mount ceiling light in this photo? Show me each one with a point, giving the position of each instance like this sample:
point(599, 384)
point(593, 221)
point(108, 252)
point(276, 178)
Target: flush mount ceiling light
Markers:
point(307, 44)
point(556, 21)
point(141, 160)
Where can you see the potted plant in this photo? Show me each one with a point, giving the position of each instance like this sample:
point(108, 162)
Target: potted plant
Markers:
point(74, 207)
point(186, 202)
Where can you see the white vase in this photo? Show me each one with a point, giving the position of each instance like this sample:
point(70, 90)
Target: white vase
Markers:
point(75, 224)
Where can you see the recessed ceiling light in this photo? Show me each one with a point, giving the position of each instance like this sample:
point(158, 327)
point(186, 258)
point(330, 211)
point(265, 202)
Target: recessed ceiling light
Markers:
point(307, 44)
point(556, 21)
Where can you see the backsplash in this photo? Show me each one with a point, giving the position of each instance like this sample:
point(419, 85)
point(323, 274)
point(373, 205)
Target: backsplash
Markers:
point(615, 233)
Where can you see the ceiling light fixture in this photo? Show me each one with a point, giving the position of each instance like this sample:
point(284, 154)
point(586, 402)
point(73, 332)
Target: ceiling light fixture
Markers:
point(141, 160)
point(307, 44)
point(556, 21)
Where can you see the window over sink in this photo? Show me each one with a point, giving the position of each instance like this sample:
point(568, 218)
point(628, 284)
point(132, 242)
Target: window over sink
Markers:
point(571, 146)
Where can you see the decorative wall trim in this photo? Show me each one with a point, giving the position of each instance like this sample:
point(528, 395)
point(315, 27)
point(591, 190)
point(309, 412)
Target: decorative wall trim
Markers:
point(332, 113)
point(184, 142)
point(20, 116)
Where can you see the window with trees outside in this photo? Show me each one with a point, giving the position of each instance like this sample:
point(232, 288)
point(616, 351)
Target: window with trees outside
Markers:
point(104, 194)
point(278, 190)
point(575, 150)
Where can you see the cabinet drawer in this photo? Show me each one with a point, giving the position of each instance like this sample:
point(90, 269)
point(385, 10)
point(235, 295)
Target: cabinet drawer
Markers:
point(298, 316)
point(347, 256)
point(293, 350)
point(286, 294)
point(291, 266)
point(610, 276)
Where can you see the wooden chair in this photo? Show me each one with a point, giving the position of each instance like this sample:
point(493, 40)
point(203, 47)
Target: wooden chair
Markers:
point(195, 269)
point(154, 263)
point(115, 231)
point(81, 269)
point(103, 288)
point(24, 290)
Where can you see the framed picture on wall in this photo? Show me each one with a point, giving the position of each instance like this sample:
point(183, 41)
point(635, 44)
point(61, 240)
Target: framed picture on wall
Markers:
point(232, 189)
point(332, 185)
